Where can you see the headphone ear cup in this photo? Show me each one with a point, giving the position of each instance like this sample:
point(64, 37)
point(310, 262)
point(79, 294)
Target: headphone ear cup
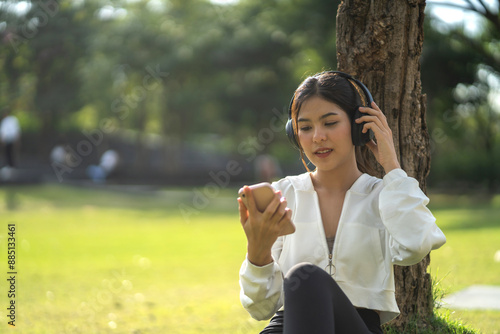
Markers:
point(358, 137)
point(291, 134)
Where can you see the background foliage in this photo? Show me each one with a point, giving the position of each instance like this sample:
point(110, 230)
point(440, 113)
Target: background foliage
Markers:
point(171, 83)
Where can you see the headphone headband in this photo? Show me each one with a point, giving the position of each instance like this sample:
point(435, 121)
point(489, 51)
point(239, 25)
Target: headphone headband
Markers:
point(358, 137)
point(348, 77)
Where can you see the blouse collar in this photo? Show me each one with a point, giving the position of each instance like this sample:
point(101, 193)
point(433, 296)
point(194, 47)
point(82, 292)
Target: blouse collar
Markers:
point(362, 185)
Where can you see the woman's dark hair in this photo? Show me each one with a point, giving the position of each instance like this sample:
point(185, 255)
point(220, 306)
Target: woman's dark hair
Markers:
point(343, 92)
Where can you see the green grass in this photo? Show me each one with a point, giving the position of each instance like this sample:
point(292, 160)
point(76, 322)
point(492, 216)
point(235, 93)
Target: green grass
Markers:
point(105, 262)
point(472, 227)
point(95, 261)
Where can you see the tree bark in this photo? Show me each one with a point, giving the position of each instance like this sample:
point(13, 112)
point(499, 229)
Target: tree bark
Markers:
point(380, 43)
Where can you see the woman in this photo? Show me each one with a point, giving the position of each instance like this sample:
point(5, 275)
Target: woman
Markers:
point(335, 273)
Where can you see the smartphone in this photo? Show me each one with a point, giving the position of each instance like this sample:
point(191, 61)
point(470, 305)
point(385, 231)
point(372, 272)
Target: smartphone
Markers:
point(263, 194)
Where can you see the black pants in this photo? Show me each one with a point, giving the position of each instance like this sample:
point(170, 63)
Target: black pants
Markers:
point(315, 304)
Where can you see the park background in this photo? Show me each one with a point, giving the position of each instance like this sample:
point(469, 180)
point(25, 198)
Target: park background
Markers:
point(192, 94)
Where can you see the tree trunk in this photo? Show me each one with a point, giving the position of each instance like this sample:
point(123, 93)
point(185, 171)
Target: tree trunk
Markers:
point(380, 42)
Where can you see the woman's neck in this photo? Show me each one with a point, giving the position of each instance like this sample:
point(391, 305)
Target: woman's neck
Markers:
point(335, 180)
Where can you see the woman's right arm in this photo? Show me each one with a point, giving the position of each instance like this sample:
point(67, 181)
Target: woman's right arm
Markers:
point(261, 291)
point(261, 279)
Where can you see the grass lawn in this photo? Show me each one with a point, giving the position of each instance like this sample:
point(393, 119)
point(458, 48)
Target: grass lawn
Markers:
point(472, 227)
point(94, 261)
point(107, 262)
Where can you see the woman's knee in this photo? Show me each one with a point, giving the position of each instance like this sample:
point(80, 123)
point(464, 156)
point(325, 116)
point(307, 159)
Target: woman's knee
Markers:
point(302, 275)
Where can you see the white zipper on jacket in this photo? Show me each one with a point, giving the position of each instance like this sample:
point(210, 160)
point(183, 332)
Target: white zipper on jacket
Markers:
point(330, 268)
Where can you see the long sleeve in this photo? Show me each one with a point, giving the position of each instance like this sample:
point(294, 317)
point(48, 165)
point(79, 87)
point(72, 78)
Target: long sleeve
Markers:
point(412, 228)
point(261, 291)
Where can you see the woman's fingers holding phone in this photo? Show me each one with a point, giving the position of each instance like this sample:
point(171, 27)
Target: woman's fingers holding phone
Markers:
point(243, 211)
point(287, 216)
point(262, 228)
point(250, 200)
point(282, 208)
point(285, 224)
point(277, 204)
point(280, 215)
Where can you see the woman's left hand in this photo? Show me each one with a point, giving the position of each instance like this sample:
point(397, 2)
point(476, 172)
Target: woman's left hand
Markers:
point(383, 149)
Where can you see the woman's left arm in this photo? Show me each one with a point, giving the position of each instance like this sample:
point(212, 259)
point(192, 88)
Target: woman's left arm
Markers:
point(412, 228)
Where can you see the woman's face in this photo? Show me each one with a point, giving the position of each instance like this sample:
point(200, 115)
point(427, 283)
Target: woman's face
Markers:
point(324, 132)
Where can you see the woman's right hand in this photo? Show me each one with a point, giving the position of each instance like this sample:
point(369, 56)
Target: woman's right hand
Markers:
point(263, 228)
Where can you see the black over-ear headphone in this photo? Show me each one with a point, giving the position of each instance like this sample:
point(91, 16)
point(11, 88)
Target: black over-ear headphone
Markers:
point(358, 137)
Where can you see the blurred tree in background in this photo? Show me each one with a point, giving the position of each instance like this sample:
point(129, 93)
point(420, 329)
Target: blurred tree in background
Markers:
point(461, 76)
point(180, 87)
point(42, 52)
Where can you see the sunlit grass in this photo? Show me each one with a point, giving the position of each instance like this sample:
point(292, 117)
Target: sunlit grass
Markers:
point(95, 261)
point(472, 228)
point(485, 321)
point(473, 238)
point(87, 264)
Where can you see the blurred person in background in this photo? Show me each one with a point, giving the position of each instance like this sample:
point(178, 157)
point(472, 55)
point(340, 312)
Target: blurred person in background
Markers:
point(267, 168)
point(10, 135)
point(108, 163)
point(58, 154)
